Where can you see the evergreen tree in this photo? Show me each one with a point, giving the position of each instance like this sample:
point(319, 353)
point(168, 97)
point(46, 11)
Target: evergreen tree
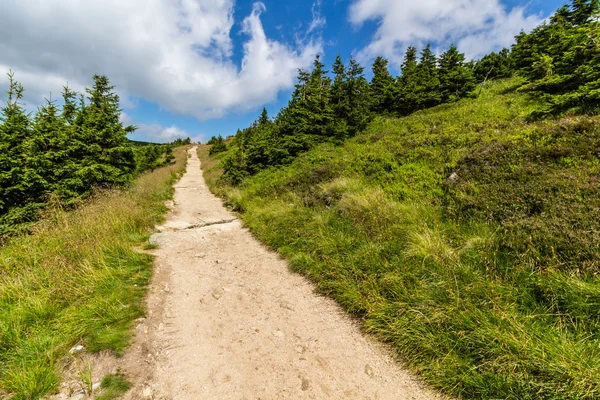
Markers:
point(583, 10)
point(22, 188)
point(357, 93)
point(382, 87)
point(493, 65)
point(108, 158)
point(456, 80)
point(409, 87)
point(50, 151)
point(339, 100)
point(561, 58)
point(218, 147)
point(428, 78)
point(264, 118)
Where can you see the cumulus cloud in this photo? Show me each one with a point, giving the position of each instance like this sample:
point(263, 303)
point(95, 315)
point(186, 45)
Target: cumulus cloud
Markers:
point(176, 53)
point(476, 26)
point(158, 133)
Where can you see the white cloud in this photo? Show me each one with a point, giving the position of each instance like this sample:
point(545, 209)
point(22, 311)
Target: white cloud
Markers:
point(176, 53)
point(476, 26)
point(158, 133)
point(318, 21)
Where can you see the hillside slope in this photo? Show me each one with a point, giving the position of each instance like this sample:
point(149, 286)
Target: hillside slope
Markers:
point(464, 235)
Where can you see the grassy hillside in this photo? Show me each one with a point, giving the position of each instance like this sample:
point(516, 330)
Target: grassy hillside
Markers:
point(464, 235)
point(80, 277)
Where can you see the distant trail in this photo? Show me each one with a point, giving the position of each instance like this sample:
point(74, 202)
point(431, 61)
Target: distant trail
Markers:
point(228, 320)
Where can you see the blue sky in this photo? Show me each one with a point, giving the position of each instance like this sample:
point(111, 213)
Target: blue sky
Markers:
point(207, 67)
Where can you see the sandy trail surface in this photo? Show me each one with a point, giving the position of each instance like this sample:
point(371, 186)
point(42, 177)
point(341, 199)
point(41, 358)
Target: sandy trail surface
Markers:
point(228, 320)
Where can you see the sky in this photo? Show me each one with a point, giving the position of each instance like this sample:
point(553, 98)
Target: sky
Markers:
point(201, 68)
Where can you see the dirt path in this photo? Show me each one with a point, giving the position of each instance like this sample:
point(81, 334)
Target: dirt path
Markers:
point(227, 320)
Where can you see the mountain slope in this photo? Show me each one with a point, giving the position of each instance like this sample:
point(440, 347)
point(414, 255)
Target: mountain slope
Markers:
point(464, 235)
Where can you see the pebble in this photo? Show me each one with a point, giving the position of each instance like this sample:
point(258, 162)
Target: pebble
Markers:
point(76, 349)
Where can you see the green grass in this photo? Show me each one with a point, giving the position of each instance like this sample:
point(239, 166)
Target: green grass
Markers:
point(485, 281)
point(113, 386)
point(78, 278)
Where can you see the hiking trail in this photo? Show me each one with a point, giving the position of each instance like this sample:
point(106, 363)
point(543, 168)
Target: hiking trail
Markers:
point(227, 319)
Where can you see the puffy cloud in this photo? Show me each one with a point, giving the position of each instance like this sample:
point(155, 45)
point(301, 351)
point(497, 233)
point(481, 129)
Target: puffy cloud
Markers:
point(176, 53)
point(158, 133)
point(477, 26)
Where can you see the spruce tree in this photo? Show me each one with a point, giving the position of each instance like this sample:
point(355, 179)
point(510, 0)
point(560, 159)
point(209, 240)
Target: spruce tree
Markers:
point(264, 118)
point(108, 158)
point(19, 184)
point(357, 92)
point(429, 81)
point(493, 65)
point(409, 87)
point(382, 87)
point(583, 10)
point(50, 151)
point(317, 103)
point(456, 80)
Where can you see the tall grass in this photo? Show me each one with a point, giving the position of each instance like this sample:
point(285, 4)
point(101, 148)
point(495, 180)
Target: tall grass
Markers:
point(79, 277)
point(463, 235)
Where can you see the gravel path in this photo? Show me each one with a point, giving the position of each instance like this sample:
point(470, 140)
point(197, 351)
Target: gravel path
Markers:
point(228, 320)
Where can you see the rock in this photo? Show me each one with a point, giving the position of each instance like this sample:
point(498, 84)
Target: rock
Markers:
point(305, 384)
point(200, 255)
point(453, 177)
point(369, 371)
point(278, 333)
point(147, 392)
point(96, 386)
point(76, 349)
point(216, 296)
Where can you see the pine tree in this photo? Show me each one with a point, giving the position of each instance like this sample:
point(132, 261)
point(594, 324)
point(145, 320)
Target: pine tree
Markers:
point(264, 118)
point(19, 184)
point(429, 81)
point(382, 87)
point(50, 150)
point(583, 10)
point(319, 111)
point(69, 108)
point(409, 87)
point(357, 93)
point(109, 159)
point(493, 65)
point(456, 80)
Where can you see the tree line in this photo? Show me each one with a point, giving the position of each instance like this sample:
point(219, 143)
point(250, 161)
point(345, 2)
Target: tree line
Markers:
point(61, 154)
point(560, 60)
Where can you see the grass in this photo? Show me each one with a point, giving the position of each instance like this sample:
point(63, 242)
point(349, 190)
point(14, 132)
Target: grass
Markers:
point(79, 278)
point(464, 235)
point(113, 386)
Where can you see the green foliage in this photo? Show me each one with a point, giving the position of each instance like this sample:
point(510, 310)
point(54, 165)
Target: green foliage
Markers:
point(463, 235)
point(382, 86)
point(218, 146)
point(62, 156)
point(494, 66)
point(181, 142)
point(456, 80)
point(561, 58)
